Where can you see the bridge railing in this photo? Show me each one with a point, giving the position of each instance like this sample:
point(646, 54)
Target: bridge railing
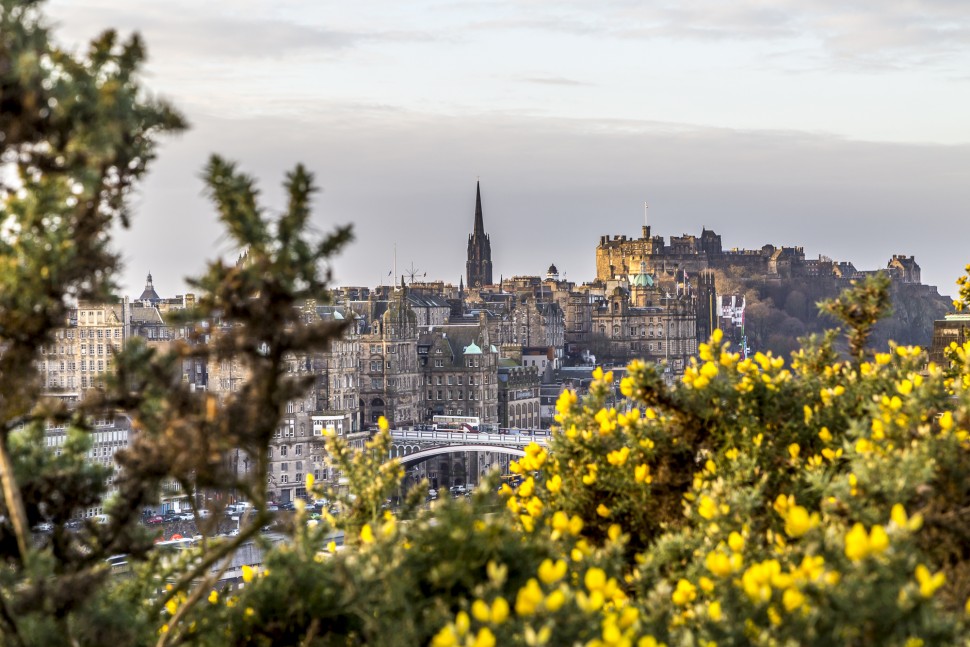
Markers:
point(541, 437)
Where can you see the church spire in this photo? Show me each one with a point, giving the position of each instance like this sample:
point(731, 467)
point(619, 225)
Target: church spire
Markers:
point(479, 221)
point(479, 265)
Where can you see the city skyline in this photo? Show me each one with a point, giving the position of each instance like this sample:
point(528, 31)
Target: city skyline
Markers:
point(840, 130)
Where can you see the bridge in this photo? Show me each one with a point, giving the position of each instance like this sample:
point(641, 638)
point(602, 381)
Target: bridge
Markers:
point(414, 446)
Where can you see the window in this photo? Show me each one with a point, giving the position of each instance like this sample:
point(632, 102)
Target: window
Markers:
point(438, 381)
point(439, 394)
point(284, 467)
point(439, 363)
point(451, 380)
point(298, 450)
point(284, 479)
point(459, 380)
point(283, 450)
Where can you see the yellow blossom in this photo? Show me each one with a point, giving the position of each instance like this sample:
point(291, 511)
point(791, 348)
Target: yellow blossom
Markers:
point(500, 610)
point(642, 473)
point(528, 598)
point(707, 508)
point(825, 435)
point(685, 593)
point(554, 601)
point(714, 611)
point(718, 563)
point(792, 599)
point(595, 579)
point(618, 457)
point(798, 521)
point(602, 510)
point(485, 638)
point(213, 597)
point(367, 534)
point(928, 583)
point(736, 542)
point(248, 573)
point(382, 424)
point(551, 572)
point(480, 611)
point(554, 484)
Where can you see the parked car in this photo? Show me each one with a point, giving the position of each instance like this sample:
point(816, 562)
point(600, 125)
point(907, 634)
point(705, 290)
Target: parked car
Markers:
point(154, 519)
point(287, 505)
point(185, 516)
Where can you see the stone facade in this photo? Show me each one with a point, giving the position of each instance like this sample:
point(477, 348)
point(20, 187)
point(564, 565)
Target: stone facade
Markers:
point(458, 365)
point(518, 397)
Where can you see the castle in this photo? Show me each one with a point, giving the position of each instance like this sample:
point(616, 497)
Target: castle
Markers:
point(623, 256)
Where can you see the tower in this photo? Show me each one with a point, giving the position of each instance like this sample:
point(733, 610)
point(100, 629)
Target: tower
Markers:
point(479, 265)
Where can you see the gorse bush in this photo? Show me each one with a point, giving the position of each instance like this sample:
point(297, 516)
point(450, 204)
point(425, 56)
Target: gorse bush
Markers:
point(811, 499)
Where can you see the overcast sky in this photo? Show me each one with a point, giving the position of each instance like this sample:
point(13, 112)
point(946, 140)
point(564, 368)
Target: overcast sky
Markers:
point(838, 126)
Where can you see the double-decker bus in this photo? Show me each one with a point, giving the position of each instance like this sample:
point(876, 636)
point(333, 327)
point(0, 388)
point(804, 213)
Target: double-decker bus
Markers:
point(456, 423)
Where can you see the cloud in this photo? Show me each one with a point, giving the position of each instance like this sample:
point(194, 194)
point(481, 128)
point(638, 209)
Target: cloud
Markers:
point(553, 80)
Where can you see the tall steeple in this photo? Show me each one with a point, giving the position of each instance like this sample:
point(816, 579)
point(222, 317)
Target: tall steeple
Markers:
point(479, 265)
point(479, 220)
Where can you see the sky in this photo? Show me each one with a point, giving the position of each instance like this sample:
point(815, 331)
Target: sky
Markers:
point(840, 127)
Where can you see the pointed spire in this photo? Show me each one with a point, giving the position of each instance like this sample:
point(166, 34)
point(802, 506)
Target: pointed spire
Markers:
point(479, 221)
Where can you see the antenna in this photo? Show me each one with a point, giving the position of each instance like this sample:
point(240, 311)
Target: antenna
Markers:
point(411, 272)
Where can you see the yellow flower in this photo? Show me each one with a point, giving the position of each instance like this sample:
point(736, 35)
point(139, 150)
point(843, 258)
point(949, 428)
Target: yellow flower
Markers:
point(714, 611)
point(642, 473)
point(718, 563)
point(481, 611)
point(602, 510)
point(554, 484)
point(445, 638)
point(367, 534)
point(928, 584)
point(902, 521)
point(309, 481)
point(859, 544)
point(825, 435)
point(485, 638)
point(248, 573)
point(213, 597)
point(382, 424)
point(500, 610)
point(707, 508)
point(555, 600)
point(792, 599)
point(618, 457)
point(736, 542)
point(798, 521)
point(685, 593)
point(595, 579)
point(793, 451)
point(528, 598)
point(550, 572)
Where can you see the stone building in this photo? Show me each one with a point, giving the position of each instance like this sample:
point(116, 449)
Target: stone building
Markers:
point(389, 364)
point(478, 268)
point(518, 396)
point(663, 330)
point(954, 328)
point(458, 373)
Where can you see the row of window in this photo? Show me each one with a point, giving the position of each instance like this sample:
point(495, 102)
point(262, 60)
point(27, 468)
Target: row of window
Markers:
point(284, 450)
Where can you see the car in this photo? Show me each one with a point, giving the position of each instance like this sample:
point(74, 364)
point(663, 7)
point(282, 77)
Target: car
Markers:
point(170, 516)
point(44, 526)
point(287, 505)
point(185, 516)
point(154, 519)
